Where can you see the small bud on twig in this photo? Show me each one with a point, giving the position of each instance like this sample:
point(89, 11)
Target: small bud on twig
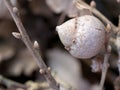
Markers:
point(15, 9)
point(16, 35)
point(42, 71)
point(93, 4)
point(109, 49)
point(36, 45)
point(49, 69)
point(108, 27)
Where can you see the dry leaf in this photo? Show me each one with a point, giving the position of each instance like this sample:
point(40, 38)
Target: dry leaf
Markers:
point(67, 69)
point(24, 63)
point(6, 51)
point(66, 6)
point(37, 86)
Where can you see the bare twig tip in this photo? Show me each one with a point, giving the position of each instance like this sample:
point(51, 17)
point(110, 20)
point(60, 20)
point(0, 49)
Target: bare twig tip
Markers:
point(36, 45)
point(93, 4)
point(16, 35)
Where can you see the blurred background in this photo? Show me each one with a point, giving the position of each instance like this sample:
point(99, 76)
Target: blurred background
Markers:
point(40, 18)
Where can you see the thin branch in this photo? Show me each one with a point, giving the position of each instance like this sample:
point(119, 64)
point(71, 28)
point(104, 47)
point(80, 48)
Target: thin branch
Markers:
point(25, 38)
point(106, 57)
point(11, 84)
point(104, 70)
point(81, 4)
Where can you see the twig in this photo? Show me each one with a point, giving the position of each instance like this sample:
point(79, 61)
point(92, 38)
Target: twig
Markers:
point(25, 38)
point(104, 70)
point(11, 84)
point(106, 57)
point(81, 4)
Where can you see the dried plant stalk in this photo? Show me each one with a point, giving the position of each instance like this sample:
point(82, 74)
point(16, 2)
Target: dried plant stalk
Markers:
point(25, 38)
point(106, 57)
point(81, 4)
point(104, 69)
